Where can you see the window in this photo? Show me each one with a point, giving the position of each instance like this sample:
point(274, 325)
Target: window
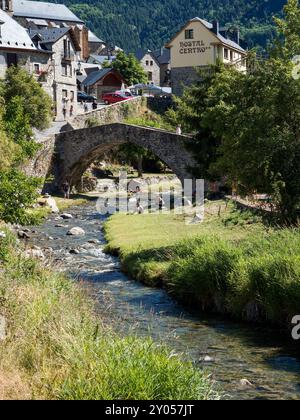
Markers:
point(64, 95)
point(189, 34)
point(64, 69)
point(67, 49)
point(151, 63)
point(147, 62)
point(37, 69)
point(226, 53)
point(231, 55)
point(12, 59)
point(150, 76)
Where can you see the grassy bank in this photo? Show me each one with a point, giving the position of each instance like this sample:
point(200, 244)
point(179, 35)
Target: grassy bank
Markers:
point(56, 348)
point(36, 215)
point(230, 264)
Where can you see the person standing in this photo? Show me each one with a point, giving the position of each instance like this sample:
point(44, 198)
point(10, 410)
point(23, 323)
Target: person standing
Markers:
point(66, 190)
point(179, 130)
point(71, 110)
point(64, 112)
point(95, 105)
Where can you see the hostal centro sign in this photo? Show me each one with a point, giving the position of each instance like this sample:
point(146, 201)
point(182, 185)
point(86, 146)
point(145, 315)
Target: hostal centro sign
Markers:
point(193, 47)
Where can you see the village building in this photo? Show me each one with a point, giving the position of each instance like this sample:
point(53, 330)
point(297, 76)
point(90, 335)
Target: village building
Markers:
point(17, 48)
point(200, 44)
point(41, 15)
point(150, 65)
point(62, 44)
point(84, 70)
point(99, 60)
point(164, 58)
point(95, 44)
point(103, 81)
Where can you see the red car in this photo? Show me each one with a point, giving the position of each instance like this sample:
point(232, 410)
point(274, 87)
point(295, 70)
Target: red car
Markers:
point(113, 98)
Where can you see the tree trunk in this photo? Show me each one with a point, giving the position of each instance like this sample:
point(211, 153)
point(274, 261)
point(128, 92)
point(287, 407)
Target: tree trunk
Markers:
point(140, 166)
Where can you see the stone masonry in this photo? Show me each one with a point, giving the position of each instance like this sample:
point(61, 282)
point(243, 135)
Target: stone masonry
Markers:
point(76, 150)
point(183, 77)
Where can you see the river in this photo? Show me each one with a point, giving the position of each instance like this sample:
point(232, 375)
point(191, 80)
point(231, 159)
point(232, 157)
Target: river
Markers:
point(229, 351)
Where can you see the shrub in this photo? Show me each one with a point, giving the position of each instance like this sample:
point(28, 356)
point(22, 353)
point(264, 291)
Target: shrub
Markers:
point(17, 192)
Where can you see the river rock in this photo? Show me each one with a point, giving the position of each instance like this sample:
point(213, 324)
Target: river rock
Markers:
point(34, 253)
point(246, 384)
point(76, 231)
point(2, 235)
point(94, 241)
point(60, 226)
point(23, 235)
point(66, 216)
point(74, 251)
point(50, 202)
point(207, 359)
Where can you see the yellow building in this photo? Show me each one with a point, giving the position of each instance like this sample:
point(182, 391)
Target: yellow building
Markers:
point(201, 44)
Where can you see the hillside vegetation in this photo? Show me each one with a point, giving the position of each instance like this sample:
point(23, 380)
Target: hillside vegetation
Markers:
point(132, 24)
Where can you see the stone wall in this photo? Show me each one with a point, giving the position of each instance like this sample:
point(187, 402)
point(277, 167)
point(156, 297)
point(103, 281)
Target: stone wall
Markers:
point(181, 77)
point(76, 150)
point(111, 113)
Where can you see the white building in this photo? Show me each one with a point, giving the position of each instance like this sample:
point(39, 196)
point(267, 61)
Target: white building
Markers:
point(200, 44)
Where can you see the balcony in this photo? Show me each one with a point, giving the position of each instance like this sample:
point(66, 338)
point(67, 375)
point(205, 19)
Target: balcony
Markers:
point(66, 57)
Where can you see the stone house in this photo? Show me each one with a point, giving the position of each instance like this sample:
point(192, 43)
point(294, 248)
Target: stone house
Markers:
point(164, 59)
point(150, 65)
point(95, 44)
point(40, 15)
point(105, 80)
point(62, 44)
point(17, 48)
point(200, 44)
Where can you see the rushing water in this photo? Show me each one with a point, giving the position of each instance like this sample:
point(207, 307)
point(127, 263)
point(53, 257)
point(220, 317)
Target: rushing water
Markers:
point(229, 351)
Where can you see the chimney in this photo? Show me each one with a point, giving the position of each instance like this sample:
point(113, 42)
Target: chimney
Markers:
point(236, 35)
point(216, 27)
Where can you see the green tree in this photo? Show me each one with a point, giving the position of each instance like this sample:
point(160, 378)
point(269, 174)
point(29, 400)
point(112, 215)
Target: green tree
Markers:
point(287, 44)
point(8, 149)
point(188, 112)
point(32, 100)
point(130, 68)
point(18, 192)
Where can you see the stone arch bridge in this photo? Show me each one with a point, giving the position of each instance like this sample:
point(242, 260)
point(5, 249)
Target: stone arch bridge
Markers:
point(76, 150)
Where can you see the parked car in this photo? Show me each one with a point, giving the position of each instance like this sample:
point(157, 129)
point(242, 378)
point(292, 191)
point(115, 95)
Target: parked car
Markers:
point(84, 97)
point(113, 98)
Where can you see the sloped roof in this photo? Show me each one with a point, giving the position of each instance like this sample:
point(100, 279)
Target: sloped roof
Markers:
point(13, 35)
point(209, 26)
point(140, 54)
point(42, 10)
point(94, 39)
point(101, 58)
point(98, 75)
point(163, 55)
point(52, 35)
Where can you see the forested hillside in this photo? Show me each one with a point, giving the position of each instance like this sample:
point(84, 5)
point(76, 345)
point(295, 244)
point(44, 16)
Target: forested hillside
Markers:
point(149, 23)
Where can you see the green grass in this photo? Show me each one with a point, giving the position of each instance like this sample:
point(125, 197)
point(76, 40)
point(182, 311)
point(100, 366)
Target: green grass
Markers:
point(232, 263)
point(56, 348)
point(150, 119)
point(36, 215)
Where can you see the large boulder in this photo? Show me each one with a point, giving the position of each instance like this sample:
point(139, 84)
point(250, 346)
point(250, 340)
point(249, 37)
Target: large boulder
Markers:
point(66, 216)
point(50, 202)
point(76, 231)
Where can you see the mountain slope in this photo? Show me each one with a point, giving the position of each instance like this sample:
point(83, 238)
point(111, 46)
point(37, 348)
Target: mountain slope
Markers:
point(135, 23)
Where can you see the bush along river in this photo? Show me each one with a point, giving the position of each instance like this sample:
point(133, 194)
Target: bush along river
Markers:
point(247, 362)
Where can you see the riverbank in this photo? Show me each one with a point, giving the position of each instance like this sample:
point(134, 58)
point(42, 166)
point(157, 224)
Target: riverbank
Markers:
point(55, 346)
point(231, 264)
